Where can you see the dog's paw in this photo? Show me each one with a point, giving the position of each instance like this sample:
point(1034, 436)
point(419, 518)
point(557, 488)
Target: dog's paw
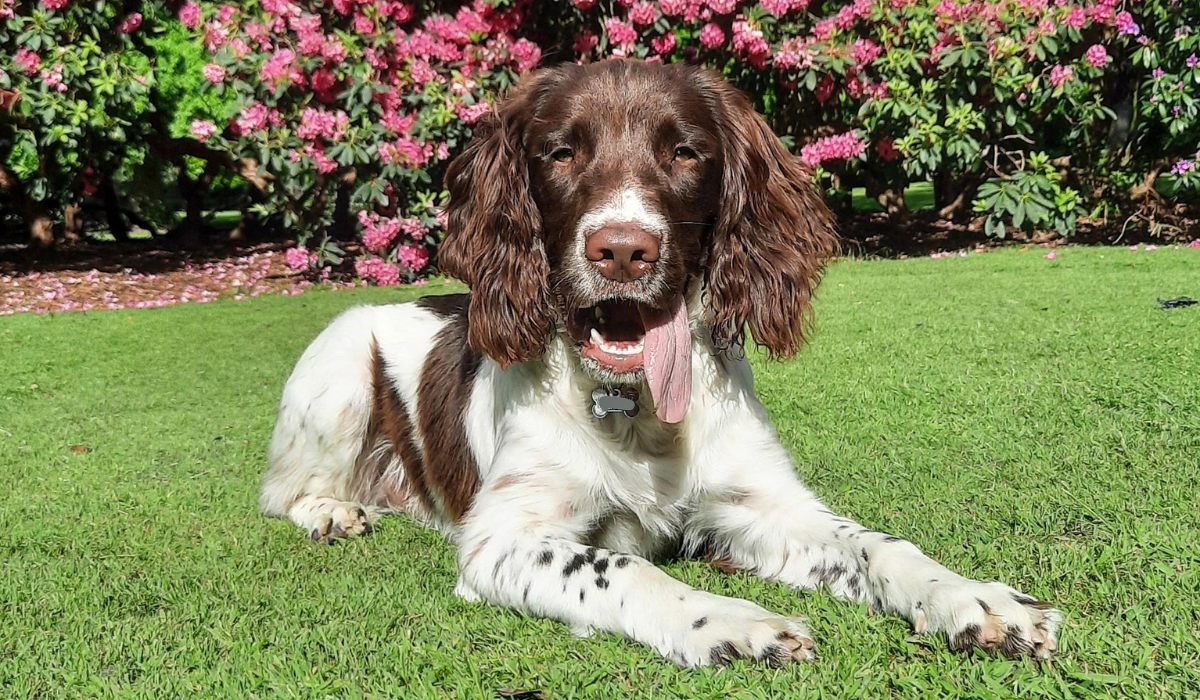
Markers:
point(724, 629)
point(340, 521)
point(989, 616)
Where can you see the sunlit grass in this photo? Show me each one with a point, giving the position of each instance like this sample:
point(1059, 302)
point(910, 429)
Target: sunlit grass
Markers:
point(1032, 421)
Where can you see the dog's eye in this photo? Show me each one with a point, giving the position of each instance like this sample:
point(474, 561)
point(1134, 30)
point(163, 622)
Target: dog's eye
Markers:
point(563, 155)
point(685, 153)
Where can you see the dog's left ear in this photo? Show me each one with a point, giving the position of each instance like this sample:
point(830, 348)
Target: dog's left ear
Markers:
point(773, 233)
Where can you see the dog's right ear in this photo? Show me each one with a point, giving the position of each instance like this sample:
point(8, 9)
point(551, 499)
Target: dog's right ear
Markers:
point(494, 232)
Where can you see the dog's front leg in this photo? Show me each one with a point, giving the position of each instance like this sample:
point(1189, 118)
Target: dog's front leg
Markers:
point(760, 518)
point(522, 546)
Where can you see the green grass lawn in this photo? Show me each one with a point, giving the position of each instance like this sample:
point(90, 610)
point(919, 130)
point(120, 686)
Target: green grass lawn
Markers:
point(1030, 421)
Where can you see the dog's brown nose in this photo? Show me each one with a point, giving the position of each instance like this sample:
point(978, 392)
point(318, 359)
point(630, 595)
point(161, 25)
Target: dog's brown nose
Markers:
point(622, 252)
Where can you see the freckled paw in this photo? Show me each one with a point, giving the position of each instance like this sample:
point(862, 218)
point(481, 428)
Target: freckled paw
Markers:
point(992, 617)
point(719, 637)
point(341, 522)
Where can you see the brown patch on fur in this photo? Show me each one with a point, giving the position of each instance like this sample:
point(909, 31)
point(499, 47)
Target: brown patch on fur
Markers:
point(390, 423)
point(508, 481)
point(721, 564)
point(442, 399)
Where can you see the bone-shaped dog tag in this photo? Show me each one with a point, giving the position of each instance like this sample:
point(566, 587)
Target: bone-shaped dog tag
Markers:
point(606, 401)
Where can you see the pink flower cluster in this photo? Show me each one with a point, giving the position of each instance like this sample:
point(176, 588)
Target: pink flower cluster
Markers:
point(379, 232)
point(322, 124)
point(299, 258)
point(378, 271)
point(1096, 56)
point(190, 15)
point(1060, 75)
point(845, 146)
point(28, 61)
point(202, 130)
point(53, 78)
point(130, 24)
point(213, 73)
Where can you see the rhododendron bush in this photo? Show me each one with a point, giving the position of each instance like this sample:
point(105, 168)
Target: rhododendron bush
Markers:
point(73, 93)
point(1023, 114)
point(89, 92)
point(354, 107)
point(1023, 108)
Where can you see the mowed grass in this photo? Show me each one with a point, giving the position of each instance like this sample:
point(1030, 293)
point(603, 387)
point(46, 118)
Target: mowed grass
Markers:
point(1031, 421)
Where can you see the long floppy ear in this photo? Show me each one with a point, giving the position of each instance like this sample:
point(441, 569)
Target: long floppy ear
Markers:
point(773, 233)
point(494, 234)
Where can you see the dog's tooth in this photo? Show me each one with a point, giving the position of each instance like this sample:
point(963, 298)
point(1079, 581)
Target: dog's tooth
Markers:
point(596, 338)
point(599, 313)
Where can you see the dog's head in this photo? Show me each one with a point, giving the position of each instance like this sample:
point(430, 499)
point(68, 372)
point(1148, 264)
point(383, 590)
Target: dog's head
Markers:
point(592, 196)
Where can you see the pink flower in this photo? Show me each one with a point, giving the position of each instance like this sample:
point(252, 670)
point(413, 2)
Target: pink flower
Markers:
point(711, 36)
point(1076, 19)
point(1060, 75)
point(1133, 249)
point(1151, 248)
point(130, 24)
point(190, 15)
point(54, 5)
point(297, 258)
point(663, 45)
point(381, 273)
point(28, 61)
point(1097, 56)
point(278, 67)
point(54, 78)
point(251, 119)
point(722, 7)
point(583, 5)
point(865, 51)
point(526, 54)
point(643, 14)
point(841, 147)
point(413, 257)
point(378, 232)
point(1195, 244)
point(213, 73)
point(1126, 25)
point(619, 32)
point(1052, 255)
point(472, 114)
point(585, 42)
point(321, 124)
point(202, 130)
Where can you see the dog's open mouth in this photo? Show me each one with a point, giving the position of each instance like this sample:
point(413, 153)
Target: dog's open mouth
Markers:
point(612, 334)
point(622, 337)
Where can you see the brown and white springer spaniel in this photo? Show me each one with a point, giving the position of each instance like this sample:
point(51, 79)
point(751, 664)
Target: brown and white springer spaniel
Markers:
point(620, 225)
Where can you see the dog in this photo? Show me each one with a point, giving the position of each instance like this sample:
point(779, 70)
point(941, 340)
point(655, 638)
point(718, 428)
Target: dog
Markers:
point(621, 225)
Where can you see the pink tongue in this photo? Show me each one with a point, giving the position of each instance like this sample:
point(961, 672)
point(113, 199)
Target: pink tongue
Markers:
point(667, 358)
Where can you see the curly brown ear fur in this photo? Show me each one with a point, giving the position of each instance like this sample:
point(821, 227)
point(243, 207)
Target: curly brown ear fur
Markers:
point(494, 234)
point(773, 233)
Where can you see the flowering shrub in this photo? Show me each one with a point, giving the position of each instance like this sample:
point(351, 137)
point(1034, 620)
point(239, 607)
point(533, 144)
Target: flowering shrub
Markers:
point(1025, 113)
point(92, 95)
point(353, 107)
point(74, 92)
point(967, 94)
